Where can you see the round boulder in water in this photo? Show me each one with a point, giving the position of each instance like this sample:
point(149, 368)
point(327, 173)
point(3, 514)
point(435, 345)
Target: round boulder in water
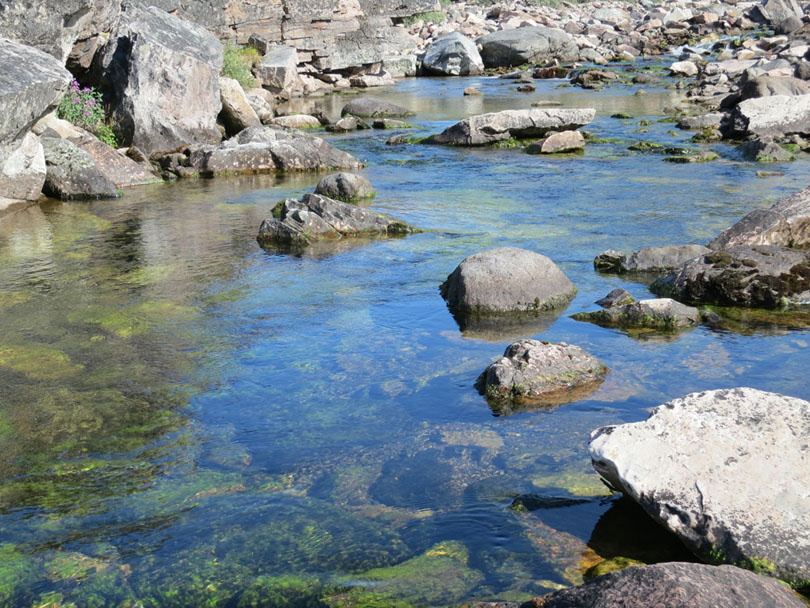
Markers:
point(346, 187)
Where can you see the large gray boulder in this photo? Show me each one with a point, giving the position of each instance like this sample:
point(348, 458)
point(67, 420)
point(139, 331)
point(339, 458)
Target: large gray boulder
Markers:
point(526, 45)
point(649, 259)
point(22, 169)
point(163, 74)
point(347, 187)
point(662, 314)
point(774, 12)
point(768, 86)
point(237, 114)
point(119, 168)
point(72, 174)
point(278, 70)
point(453, 55)
point(728, 471)
point(371, 107)
point(506, 280)
point(777, 115)
point(761, 276)
point(786, 223)
point(31, 84)
point(519, 124)
point(673, 585)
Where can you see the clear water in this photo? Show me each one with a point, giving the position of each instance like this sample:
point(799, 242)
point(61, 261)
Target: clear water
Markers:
point(188, 420)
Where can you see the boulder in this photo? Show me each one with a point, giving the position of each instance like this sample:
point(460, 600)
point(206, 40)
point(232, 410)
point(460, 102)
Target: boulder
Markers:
point(767, 86)
point(711, 120)
point(786, 223)
point(380, 79)
point(163, 79)
point(557, 143)
point(530, 370)
point(315, 217)
point(526, 45)
point(649, 259)
point(22, 169)
point(506, 280)
point(741, 500)
point(371, 107)
point(765, 150)
point(777, 115)
point(453, 55)
point(617, 297)
point(296, 121)
point(72, 174)
point(237, 114)
point(346, 187)
point(400, 66)
point(278, 70)
point(31, 84)
point(673, 585)
point(117, 167)
point(472, 91)
point(519, 124)
point(661, 314)
point(761, 276)
point(347, 124)
point(774, 12)
point(683, 68)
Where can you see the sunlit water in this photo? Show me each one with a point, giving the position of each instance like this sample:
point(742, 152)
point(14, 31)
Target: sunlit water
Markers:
point(188, 420)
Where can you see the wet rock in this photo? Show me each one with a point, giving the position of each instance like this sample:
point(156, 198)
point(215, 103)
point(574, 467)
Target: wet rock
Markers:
point(617, 297)
point(519, 124)
point(453, 55)
point(472, 91)
point(683, 68)
point(278, 71)
point(673, 585)
point(662, 314)
point(72, 174)
point(526, 45)
point(527, 88)
point(786, 223)
point(557, 143)
point(371, 107)
point(705, 121)
point(237, 114)
point(314, 217)
point(22, 169)
point(777, 115)
point(346, 187)
point(765, 150)
point(719, 501)
point(295, 121)
point(506, 280)
point(541, 371)
point(649, 259)
point(390, 123)
point(347, 124)
point(767, 86)
point(163, 75)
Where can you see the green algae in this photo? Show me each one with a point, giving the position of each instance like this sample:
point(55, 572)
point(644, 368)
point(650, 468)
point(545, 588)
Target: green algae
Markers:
point(18, 573)
point(38, 362)
point(610, 565)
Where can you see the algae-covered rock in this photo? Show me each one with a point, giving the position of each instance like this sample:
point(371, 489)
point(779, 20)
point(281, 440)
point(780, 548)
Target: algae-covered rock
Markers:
point(371, 107)
point(38, 362)
point(649, 259)
point(662, 314)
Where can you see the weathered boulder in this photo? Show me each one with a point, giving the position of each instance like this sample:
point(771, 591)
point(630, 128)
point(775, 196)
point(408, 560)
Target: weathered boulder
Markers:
point(662, 314)
point(295, 121)
point(22, 169)
point(506, 280)
point(380, 79)
point(278, 70)
point(163, 79)
point(526, 45)
point(301, 222)
point(765, 150)
point(347, 124)
point(120, 169)
point(768, 86)
point(777, 115)
point(371, 107)
point(453, 55)
point(237, 114)
point(347, 187)
point(531, 370)
point(774, 12)
point(557, 143)
point(786, 223)
point(519, 124)
point(31, 84)
point(711, 120)
point(617, 297)
point(721, 500)
point(72, 174)
point(649, 259)
point(673, 585)
point(683, 68)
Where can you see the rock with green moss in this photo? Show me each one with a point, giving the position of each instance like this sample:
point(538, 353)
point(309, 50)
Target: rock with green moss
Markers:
point(649, 259)
point(765, 150)
point(662, 314)
point(371, 107)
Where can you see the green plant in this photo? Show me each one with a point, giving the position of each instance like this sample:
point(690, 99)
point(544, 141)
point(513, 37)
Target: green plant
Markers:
point(105, 133)
point(237, 63)
point(83, 108)
point(436, 17)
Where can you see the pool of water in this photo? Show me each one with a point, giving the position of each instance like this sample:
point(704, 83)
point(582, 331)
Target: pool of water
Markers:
point(188, 420)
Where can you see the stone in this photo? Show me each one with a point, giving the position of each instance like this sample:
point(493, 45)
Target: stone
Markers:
point(371, 107)
point(617, 297)
point(315, 217)
point(788, 25)
point(774, 12)
point(557, 143)
point(389, 123)
point(295, 121)
point(762, 276)
point(527, 88)
point(237, 113)
point(118, 168)
point(162, 75)
point(453, 55)
point(278, 70)
point(721, 500)
point(518, 124)
point(661, 314)
point(704, 121)
point(72, 174)
point(262, 102)
point(472, 91)
point(683, 68)
point(506, 280)
point(777, 115)
point(766, 86)
point(765, 150)
point(32, 83)
point(611, 15)
point(22, 169)
point(380, 79)
point(786, 223)
point(649, 259)
point(347, 124)
point(347, 187)
point(553, 373)
point(524, 45)
point(673, 585)
point(400, 66)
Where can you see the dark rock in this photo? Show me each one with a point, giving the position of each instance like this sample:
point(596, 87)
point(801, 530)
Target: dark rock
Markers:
point(764, 150)
point(526, 45)
point(73, 174)
point(788, 25)
point(346, 187)
point(802, 70)
point(347, 124)
point(649, 259)
point(617, 297)
point(453, 55)
point(390, 123)
point(370, 107)
point(662, 314)
point(775, 12)
point(527, 88)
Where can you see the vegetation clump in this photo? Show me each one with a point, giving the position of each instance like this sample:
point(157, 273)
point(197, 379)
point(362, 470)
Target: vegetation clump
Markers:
point(83, 108)
point(237, 64)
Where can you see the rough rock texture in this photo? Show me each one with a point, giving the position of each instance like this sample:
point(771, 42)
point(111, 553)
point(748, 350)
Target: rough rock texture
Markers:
point(164, 74)
point(673, 585)
point(119, 169)
point(453, 55)
point(519, 124)
point(371, 107)
point(683, 68)
point(767, 86)
point(786, 223)
point(761, 276)
point(346, 187)
point(765, 150)
point(22, 169)
point(557, 143)
point(776, 115)
point(728, 471)
point(237, 114)
point(526, 45)
point(314, 217)
point(278, 70)
point(774, 12)
point(72, 173)
point(533, 370)
point(31, 84)
point(506, 280)
point(295, 121)
point(649, 259)
point(662, 313)
point(617, 297)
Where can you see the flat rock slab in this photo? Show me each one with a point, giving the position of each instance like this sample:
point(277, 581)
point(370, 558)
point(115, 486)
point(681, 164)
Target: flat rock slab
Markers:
point(777, 115)
point(518, 124)
point(728, 471)
point(371, 107)
point(649, 259)
point(119, 169)
point(662, 314)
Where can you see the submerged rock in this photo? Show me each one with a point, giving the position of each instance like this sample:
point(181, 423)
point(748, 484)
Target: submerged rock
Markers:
point(557, 143)
point(721, 499)
point(649, 259)
point(346, 187)
point(453, 55)
point(617, 297)
point(371, 107)
point(72, 174)
point(662, 314)
point(524, 45)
